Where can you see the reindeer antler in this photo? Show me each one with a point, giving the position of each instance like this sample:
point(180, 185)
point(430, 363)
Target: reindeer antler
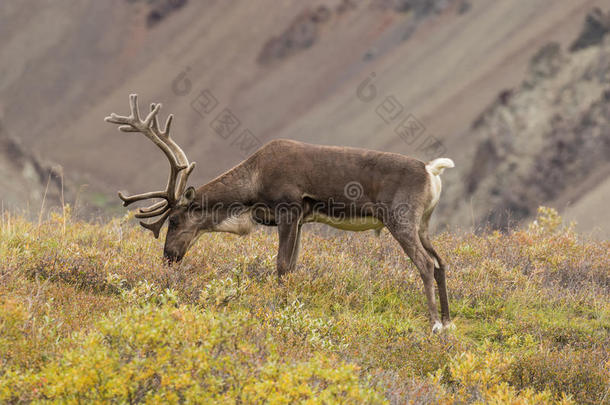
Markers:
point(179, 166)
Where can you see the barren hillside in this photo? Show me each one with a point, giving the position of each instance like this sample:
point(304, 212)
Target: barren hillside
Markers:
point(27, 183)
point(283, 68)
point(547, 140)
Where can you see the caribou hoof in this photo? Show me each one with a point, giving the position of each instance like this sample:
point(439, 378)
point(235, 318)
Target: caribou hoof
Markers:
point(449, 326)
point(437, 328)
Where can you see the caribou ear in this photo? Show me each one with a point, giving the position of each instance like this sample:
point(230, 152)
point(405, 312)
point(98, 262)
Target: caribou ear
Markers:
point(187, 197)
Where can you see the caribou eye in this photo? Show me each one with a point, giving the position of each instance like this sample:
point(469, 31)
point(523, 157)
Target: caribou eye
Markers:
point(173, 222)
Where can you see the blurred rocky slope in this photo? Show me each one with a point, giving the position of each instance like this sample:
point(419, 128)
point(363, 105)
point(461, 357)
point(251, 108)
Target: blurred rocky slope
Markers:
point(26, 179)
point(288, 68)
point(544, 142)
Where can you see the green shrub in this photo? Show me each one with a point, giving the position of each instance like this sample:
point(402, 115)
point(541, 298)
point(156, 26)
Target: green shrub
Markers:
point(178, 354)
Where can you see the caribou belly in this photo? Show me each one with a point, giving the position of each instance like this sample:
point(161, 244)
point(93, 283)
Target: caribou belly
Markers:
point(243, 223)
point(347, 224)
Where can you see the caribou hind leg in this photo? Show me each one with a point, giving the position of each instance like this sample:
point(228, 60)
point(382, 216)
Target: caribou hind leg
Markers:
point(439, 276)
point(410, 242)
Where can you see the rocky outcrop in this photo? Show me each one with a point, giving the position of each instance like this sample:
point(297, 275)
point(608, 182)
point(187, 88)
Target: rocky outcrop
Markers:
point(301, 34)
point(158, 10)
point(596, 26)
point(25, 179)
point(538, 142)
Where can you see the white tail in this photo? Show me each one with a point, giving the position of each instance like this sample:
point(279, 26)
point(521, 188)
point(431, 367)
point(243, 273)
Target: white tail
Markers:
point(437, 166)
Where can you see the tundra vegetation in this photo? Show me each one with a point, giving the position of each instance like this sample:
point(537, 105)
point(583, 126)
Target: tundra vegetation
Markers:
point(90, 313)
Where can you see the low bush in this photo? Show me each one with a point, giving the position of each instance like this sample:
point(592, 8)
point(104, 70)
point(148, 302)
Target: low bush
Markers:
point(90, 313)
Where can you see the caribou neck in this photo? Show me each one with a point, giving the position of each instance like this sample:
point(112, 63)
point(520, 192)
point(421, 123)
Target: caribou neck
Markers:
point(236, 186)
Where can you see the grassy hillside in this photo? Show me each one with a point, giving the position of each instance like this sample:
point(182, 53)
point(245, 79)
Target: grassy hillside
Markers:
point(89, 312)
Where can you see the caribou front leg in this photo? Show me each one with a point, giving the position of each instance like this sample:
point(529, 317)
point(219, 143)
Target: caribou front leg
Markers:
point(289, 230)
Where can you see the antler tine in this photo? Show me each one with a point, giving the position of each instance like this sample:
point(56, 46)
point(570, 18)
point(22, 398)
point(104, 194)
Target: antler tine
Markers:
point(133, 105)
point(168, 125)
point(152, 213)
point(151, 118)
point(183, 178)
point(154, 206)
point(128, 128)
point(134, 116)
point(155, 227)
point(114, 118)
point(155, 122)
point(138, 197)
